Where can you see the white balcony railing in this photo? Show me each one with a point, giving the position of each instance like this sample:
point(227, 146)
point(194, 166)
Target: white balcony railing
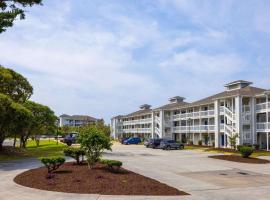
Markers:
point(137, 130)
point(195, 128)
point(261, 107)
point(138, 121)
point(263, 126)
point(197, 114)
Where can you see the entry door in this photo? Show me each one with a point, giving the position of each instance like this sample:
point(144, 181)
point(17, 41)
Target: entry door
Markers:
point(222, 140)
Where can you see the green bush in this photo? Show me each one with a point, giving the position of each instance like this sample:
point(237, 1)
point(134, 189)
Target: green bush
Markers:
point(213, 144)
point(93, 141)
point(256, 146)
point(200, 142)
point(75, 153)
point(246, 151)
point(239, 147)
point(112, 164)
point(52, 163)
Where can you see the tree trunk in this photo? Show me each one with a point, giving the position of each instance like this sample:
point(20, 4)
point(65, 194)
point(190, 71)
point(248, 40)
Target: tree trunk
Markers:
point(1, 143)
point(15, 140)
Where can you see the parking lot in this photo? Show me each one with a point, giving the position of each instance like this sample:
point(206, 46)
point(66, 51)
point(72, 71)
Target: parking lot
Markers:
point(193, 172)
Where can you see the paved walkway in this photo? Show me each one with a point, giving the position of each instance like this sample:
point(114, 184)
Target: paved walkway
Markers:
point(190, 171)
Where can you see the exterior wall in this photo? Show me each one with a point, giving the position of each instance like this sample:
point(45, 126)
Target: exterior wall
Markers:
point(69, 121)
point(246, 116)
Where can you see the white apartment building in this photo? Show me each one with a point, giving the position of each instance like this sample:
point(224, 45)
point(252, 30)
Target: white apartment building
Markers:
point(241, 109)
point(76, 120)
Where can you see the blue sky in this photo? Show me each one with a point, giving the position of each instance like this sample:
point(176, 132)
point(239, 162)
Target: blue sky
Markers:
point(105, 58)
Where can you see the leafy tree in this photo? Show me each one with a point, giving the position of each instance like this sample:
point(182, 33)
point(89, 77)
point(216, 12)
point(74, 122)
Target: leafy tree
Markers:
point(21, 120)
point(100, 124)
point(13, 118)
point(43, 120)
point(14, 85)
point(93, 141)
point(11, 9)
point(233, 140)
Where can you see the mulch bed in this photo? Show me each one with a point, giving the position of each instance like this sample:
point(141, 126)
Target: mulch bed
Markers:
point(72, 178)
point(240, 159)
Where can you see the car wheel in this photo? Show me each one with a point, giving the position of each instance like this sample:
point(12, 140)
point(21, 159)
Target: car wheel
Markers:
point(69, 143)
point(168, 148)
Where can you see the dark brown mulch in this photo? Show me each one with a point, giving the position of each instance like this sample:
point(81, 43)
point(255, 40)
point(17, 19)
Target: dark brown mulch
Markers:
point(240, 159)
point(73, 178)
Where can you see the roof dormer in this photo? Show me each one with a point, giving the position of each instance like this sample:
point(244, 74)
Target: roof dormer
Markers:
point(176, 99)
point(235, 85)
point(145, 107)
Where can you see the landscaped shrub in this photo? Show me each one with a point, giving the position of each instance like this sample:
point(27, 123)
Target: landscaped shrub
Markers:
point(76, 153)
point(246, 151)
point(52, 163)
point(213, 144)
point(200, 142)
point(239, 147)
point(190, 142)
point(206, 139)
point(93, 141)
point(256, 146)
point(112, 164)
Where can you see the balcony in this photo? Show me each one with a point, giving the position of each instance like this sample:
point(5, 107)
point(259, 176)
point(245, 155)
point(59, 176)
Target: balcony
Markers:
point(195, 128)
point(262, 107)
point(138, 121)
point(263, 127)
point(198, 114)
point(137, 130)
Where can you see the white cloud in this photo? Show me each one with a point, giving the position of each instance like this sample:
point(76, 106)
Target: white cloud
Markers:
point(204, 64)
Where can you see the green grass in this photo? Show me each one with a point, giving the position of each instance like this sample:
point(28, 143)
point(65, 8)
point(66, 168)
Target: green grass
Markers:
point(193, 147)
point(45, 148)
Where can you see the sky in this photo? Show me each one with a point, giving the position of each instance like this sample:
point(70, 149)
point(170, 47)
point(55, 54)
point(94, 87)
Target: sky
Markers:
point(105, 58)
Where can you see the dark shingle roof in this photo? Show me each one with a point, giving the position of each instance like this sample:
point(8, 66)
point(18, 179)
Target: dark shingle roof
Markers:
point(80, 117)
point(139, 112)
point(249, 91)
point(172, 106)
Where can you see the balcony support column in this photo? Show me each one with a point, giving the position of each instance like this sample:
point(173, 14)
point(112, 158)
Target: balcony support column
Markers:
point(152, 125)
point(217, 123)
point(267, 141)
point(238, 119)
point(253, 120)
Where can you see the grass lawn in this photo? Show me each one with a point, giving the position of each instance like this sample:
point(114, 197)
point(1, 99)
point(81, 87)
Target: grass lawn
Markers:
point(230, 152)
point(45, 148)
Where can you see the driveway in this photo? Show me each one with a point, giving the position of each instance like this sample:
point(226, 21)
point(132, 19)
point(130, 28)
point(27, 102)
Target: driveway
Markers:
point(188, 170)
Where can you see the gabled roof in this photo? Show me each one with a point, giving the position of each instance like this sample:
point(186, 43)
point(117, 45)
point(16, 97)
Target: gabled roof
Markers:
point(139, 112)
point(172, 106)
point(246, 91)
point(79, 117)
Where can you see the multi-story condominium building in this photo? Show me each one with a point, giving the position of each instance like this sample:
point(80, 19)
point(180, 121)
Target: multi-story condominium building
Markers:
point(240, 110)
point(76, 120)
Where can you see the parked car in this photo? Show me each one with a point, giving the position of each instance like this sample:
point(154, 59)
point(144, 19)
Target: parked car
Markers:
point(71, 138)
point(171, 144)
point(122, 140)
point(153, 143)
point(132, 140)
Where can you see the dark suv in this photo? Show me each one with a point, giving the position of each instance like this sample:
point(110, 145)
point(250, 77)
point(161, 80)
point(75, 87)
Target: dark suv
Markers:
point(171, 144)
point(71, 138)
point(152, 143)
